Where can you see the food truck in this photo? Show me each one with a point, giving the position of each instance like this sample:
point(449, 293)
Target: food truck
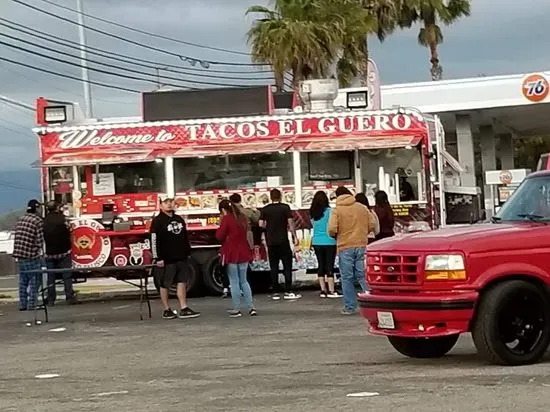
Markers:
point(109, 173)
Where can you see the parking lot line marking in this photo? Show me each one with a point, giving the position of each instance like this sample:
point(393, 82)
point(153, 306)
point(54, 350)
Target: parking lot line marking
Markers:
point(362, 394)
point(58, 330)
point(47, 376)
point(103, 394)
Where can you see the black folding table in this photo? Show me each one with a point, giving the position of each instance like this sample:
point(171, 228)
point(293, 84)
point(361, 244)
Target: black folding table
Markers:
point(144, 271)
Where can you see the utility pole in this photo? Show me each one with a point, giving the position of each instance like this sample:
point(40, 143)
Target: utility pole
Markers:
point(158, 69)
point(158, 78)
point(84, 62)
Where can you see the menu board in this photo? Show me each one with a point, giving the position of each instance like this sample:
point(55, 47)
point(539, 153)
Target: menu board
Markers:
point(103, 184)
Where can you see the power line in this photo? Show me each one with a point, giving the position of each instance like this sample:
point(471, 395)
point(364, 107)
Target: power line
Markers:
point(124, 76)
point(10, 185)
point(16, 73)
point(130, 59)
point(104, 64)
point(12, 130)
point(158, 36)
point(192, 60)
point(66, 76)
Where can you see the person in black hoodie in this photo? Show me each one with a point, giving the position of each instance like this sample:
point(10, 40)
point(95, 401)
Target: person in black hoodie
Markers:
point(57, 237)
point(171, 248)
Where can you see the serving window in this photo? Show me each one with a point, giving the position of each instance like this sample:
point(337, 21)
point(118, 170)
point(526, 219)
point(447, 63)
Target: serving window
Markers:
point(393, 170)
point(246, 171)
point(147, 177)
point(325, 171)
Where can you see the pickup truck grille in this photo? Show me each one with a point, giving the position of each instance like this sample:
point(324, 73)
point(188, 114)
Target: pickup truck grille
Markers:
point(393, 269)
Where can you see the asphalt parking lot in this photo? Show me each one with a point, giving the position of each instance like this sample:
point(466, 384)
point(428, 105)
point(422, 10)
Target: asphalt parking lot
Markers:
point(295, 356)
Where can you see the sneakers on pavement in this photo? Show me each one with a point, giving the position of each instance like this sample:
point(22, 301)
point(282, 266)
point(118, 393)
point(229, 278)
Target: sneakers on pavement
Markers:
point(276, 296)
point(323, 294)
point(188, 313)
point(291, 296)
point(252, 312)
point(225, 293)
point(235, 314)
point(348, 312)
point(333, 295)
point(169, 314)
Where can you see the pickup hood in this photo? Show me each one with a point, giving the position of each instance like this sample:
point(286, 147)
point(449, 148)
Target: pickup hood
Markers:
point(471, 239)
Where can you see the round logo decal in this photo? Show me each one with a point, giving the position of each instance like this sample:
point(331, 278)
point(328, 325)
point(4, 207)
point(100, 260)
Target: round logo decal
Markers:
point(535, 88)
point(120, 260)
point(89, 249)
point(505, 177)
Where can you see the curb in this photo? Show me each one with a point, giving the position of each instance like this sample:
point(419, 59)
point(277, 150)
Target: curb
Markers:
point(85, 295)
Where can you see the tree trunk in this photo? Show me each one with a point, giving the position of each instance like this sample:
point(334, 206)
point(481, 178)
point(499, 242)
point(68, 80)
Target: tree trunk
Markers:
point(280, 81)
point(436, 70)
point(364, 64)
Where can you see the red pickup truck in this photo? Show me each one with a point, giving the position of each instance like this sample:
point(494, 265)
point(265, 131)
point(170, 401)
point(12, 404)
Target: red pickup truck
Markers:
point(490, 279)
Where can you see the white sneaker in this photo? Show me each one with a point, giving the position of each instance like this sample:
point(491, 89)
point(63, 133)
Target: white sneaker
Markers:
point(276, 296)
point(333, 295)
point(292, 296)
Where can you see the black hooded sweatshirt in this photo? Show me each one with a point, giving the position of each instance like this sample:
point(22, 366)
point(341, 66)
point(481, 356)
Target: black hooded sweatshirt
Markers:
point(169, 239)
point(57, 234)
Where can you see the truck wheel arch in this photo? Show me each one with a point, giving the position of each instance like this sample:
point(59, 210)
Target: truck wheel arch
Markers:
point(508, 272)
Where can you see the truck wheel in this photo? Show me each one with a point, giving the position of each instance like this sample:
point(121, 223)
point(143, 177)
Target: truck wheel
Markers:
point(213, 276)
point(423, 348)
point(512, 326)
point(191, 284)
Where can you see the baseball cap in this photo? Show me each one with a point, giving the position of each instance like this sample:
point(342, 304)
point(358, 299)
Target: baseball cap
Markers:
point(165, 197)
point(33, 204)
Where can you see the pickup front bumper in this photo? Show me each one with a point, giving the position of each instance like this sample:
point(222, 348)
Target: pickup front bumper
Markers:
point(418, 315)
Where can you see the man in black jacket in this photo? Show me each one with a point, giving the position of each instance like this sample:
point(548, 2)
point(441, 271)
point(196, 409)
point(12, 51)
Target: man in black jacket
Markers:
point(171, 250)
point(57, 237)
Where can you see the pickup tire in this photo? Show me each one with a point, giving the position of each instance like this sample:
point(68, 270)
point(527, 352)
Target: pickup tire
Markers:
point(423, 348)
point(192, 284)
point(512, 323)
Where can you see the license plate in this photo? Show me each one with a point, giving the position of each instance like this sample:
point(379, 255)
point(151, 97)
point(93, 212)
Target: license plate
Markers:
point(385, 320)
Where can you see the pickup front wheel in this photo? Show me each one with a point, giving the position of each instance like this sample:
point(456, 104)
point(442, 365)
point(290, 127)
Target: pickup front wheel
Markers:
point(423, 348)
point(512, 326)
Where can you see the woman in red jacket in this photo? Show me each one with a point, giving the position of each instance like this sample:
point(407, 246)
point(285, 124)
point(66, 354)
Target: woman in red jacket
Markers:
point(236, 255)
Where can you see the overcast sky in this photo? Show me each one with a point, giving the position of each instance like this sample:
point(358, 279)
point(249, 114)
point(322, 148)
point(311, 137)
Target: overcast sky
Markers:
point(499, 38)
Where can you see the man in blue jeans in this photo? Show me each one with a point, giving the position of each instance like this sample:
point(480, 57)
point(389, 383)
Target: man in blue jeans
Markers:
point(28, 250)
point(350, 223)
point(57, 236)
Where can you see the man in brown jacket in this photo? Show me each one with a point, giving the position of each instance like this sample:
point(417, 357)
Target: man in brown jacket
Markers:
point(350, 223)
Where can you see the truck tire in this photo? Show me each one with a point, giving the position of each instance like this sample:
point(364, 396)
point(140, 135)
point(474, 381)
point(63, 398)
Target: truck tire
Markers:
point(192, 284)
point(512, 324)
point(423, 348)
point(213, 276)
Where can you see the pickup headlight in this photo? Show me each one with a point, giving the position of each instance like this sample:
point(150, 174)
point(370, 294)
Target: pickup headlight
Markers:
point(445, 267)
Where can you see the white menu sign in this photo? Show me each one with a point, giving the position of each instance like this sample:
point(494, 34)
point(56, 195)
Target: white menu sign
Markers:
point(103, 184)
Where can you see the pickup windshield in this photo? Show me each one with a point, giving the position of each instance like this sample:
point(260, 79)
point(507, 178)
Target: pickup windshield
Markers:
point(530, 202)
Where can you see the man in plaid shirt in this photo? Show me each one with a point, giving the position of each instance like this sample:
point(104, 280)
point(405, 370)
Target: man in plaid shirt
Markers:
point(28, 249)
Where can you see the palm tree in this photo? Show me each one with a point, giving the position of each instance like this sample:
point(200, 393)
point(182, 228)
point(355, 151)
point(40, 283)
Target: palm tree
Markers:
point(295, 36)
point(306, 36)
point(429, 13)
point(378, 17)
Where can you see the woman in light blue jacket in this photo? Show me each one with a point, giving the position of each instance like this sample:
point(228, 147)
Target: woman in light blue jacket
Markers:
point(323, 244)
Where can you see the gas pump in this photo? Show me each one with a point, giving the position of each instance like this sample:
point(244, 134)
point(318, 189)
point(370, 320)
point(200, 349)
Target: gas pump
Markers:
point(502, 184)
